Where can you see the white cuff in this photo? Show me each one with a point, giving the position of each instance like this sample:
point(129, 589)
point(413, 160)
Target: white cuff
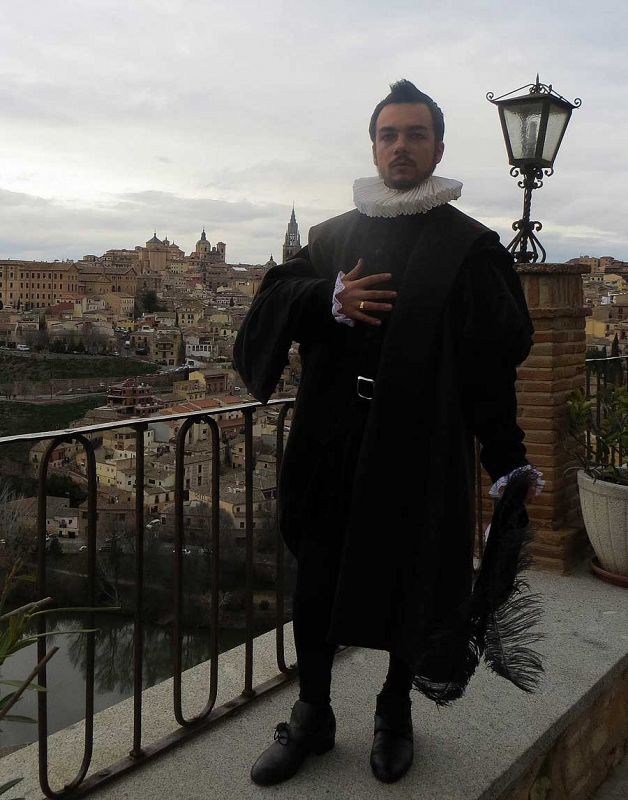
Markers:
point(336, 305)
point(496, 489)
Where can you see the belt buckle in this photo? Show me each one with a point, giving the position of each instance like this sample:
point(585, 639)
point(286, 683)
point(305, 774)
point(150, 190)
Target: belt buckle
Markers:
point(365, 382)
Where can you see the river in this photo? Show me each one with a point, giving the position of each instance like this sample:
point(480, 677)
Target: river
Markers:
point(113, 677)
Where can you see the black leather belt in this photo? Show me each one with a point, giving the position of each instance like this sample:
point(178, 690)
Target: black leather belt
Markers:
point(365, 387)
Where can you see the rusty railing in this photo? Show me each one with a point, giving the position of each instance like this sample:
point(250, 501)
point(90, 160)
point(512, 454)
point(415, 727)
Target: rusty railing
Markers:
point(140, 751)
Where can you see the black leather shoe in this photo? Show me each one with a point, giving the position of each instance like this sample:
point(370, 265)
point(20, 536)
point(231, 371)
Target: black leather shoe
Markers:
point(393, 742)
point(312, 729)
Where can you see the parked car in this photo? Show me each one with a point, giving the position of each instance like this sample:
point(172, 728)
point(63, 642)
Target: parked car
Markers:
point(22, 347)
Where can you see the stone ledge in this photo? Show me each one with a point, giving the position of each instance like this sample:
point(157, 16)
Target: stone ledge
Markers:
point(545, 268)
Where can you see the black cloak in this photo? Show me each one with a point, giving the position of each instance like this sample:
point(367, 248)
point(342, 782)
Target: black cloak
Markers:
point(446, 372)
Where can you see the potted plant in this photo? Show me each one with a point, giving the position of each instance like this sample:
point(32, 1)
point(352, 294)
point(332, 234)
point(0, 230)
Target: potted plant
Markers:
point(598, 429)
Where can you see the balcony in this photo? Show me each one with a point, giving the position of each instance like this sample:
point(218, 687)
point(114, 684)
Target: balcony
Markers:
point(196, 734)
point(494, 743)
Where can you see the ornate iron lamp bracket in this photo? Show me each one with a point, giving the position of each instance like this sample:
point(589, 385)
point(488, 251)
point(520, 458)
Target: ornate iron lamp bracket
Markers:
point(534, 170)
point(525, 228)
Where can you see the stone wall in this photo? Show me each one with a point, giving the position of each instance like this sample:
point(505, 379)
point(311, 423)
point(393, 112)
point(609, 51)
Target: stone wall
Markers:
point(585, 753)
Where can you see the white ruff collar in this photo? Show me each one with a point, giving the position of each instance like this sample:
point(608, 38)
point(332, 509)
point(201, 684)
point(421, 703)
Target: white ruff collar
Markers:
point(373, 198)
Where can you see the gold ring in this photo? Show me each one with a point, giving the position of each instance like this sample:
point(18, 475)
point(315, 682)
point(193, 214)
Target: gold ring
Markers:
point(361, 306)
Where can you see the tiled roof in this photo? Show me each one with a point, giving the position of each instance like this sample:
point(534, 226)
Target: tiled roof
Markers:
point(204, 404)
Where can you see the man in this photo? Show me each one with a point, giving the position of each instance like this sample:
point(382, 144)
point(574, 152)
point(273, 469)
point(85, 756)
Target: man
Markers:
point(410, 321)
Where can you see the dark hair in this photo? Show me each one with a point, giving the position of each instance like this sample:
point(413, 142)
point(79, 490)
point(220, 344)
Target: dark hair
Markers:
point(405, 92)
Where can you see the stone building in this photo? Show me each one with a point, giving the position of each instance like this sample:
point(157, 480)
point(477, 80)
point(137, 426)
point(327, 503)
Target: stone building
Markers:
point(36, 284)
point(101, 279)
point(157, 254)
point(210, 255)
point(132, 397)
point(164, 256)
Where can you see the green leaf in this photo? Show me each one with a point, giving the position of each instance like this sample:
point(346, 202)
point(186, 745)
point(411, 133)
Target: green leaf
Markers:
point(18, 718)
point(19, 684)
point(9, 785)
point(76, 608)
point(32, 639)
point(4, 701)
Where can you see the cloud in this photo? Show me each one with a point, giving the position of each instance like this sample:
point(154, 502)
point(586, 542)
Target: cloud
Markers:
point(178, 113)
point(61, 230)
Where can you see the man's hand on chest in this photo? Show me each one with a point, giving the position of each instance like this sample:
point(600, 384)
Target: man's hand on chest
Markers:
point(357, 298)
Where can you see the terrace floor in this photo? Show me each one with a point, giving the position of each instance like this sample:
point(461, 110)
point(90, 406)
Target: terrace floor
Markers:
point(477, 748)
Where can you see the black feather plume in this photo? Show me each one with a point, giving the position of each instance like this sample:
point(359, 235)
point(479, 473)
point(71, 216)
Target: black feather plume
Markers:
point(497, 622)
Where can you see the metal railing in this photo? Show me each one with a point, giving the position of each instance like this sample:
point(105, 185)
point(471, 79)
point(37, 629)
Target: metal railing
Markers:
point(140, 751)
point(601, 375)
point(602, 372)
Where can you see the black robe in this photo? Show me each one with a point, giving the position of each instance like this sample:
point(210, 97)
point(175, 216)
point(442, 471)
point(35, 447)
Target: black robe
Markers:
point(445, 372)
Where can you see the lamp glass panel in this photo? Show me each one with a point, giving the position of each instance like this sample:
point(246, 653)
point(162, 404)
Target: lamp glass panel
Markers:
point(556, 124)
point(522, 123)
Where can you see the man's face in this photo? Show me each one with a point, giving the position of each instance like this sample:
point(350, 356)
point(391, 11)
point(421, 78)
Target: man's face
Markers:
point(405, 151)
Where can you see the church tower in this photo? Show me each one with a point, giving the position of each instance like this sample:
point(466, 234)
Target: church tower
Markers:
point(203, 247)
point(292, 243)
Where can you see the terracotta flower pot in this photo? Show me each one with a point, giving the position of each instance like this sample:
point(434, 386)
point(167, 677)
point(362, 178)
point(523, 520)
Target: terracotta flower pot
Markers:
point(605, 514)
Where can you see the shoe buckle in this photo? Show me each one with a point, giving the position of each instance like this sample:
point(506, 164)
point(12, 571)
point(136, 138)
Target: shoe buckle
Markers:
point(282, 733)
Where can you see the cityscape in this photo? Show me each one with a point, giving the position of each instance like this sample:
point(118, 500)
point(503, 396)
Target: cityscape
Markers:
point(162, 324)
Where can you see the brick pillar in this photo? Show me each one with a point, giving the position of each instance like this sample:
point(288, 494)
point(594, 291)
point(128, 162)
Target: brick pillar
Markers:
point(553, 369)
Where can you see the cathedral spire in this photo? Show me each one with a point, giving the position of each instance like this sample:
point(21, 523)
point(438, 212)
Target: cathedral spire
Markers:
point(292, 242)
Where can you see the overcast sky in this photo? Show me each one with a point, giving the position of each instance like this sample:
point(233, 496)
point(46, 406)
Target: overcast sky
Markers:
point(120, 117)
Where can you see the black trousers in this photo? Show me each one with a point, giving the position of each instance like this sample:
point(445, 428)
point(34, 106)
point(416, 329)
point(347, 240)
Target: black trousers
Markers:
point(317, 572)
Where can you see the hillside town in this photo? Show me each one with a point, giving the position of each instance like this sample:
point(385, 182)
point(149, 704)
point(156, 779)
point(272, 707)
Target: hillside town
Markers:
point(606, 301)
point(148, 306)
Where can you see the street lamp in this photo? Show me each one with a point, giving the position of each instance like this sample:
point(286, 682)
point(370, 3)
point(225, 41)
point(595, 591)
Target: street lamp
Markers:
point(533, 125)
